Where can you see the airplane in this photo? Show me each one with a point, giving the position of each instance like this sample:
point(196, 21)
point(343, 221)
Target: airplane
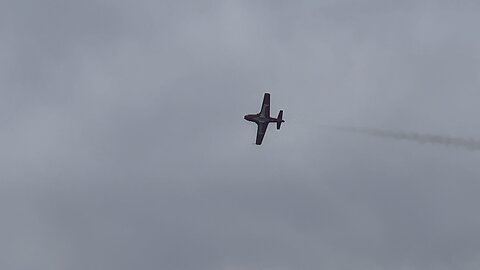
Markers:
point(263, 118)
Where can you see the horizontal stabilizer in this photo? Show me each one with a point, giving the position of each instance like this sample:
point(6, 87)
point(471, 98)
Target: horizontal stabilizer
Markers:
point(280, 119)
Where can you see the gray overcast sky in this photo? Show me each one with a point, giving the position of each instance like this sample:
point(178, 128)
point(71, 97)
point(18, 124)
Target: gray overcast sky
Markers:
point(124, 145)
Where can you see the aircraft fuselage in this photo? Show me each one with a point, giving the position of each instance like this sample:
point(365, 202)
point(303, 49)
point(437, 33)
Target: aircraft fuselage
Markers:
point(257, 118)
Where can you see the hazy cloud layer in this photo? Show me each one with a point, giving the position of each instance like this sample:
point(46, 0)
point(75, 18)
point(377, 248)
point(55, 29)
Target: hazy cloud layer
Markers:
point(124, 145)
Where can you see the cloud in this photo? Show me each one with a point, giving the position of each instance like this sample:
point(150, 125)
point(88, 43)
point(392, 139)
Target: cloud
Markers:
point(124, 145)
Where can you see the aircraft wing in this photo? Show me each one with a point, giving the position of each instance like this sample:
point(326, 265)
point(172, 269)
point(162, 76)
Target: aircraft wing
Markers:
point(261, 130)
point(265, 111)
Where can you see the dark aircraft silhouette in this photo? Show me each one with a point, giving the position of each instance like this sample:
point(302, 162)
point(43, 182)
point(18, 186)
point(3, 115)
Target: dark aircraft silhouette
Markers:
point(263, 119)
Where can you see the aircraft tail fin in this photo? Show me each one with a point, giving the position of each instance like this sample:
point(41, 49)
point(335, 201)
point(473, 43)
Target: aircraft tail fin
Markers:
point(280, 119)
